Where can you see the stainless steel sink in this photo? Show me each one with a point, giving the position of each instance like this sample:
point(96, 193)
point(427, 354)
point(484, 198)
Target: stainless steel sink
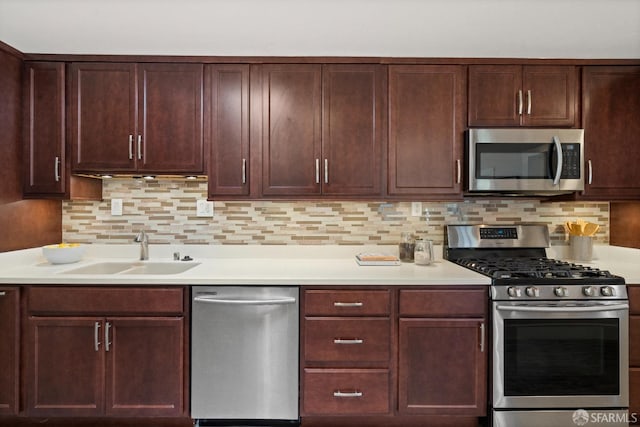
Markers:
point(137, 267)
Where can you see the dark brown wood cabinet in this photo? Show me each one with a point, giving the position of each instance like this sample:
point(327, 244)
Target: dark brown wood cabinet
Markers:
point(406, 356)
point(227, 129)
point(82, 361)
point(442, 366)
point(610, 110)
point(346, 352)
point(634, 348)
point(46, 165)
point(517, 95)
point(9, 349)
point(322, 129)
point(128, 117)
point(426, 130)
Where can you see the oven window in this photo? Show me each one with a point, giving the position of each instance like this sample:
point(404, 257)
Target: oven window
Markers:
point(513, 161)
point(560, 357)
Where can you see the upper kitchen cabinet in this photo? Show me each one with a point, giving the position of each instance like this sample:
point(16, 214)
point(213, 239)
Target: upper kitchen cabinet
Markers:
point(426, 129)
point(227, 129)
point(322, 130)
point(46, 169)
point(611, 108)
point(516, 95)
point(129, 118)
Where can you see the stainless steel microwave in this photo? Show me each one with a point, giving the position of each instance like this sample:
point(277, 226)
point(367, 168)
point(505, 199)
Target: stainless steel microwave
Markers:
point(525, 161)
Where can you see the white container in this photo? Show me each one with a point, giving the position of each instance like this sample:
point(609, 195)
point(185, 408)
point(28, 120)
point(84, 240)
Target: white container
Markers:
point(63, 254)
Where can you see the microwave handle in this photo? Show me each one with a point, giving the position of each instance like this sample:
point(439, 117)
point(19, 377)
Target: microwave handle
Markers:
point(558, 147)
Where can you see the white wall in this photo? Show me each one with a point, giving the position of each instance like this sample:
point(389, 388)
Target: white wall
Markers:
point(407, 28)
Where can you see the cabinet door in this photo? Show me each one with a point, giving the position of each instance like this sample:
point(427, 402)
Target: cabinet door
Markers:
point(352, 126)
point(426, 107)
point(44, 128)
point(145, 366)
point(611, 107)
point(9, 350)
point(170, 118)
point(495, 97)
point(291, 146)
point(64, 366)
point(549, 96)
point(442, 367)
point(227, 134)
point(103, 117)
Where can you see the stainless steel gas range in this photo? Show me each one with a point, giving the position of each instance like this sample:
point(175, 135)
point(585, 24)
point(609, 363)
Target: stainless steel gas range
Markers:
point(560, 330)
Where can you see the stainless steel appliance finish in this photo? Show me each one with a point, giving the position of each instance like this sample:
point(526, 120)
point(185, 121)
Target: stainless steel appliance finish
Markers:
point(560, 330)
point(525, 161)
point(244, 354)
point(563, 418)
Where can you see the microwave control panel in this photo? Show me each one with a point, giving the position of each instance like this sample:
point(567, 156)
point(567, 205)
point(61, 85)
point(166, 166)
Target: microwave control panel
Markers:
point(570, 161)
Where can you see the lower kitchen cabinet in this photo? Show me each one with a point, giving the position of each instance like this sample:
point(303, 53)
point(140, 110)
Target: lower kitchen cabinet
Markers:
point(405, 356)
point(442, 368)
point(105, 352)
point(634, 349)
point(9, 349)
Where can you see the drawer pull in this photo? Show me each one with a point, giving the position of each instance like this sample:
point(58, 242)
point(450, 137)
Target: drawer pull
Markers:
point(339, 393)
point(2, 293)
point(348, 341)
point(347, 304)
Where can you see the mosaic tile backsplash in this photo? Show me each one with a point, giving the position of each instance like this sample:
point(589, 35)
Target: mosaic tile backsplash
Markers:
point(166, 209)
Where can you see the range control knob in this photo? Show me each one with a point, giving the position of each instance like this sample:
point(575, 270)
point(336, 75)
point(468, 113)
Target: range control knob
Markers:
point(607, 291)
point(589, 291)
point(514, 292)
point(560, 291)
point(532, 292)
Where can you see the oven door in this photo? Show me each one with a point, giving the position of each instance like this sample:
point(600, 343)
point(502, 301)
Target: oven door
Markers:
point(569, 354)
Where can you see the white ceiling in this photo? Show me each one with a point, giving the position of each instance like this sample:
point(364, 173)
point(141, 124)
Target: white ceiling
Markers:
point(405, 28)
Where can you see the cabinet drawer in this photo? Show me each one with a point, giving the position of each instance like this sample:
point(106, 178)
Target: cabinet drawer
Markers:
point(345, 391)
point(104, 300)
point(344, 340)
point(444, 303)
point(346, 303)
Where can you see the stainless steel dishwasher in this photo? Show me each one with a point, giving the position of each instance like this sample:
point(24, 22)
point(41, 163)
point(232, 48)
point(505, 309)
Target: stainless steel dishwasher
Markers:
point(244, 355)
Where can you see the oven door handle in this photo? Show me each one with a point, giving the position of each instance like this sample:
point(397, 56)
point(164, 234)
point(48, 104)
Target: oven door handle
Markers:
point(564, 309)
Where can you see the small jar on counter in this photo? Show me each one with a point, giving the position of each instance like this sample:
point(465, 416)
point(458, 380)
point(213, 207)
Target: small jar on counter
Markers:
point(423, 253)
point(406, 247)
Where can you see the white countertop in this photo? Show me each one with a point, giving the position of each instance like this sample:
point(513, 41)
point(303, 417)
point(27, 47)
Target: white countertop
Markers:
point(275, 265)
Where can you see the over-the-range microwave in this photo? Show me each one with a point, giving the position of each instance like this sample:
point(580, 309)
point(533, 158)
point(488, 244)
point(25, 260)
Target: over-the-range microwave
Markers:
point(524, 161)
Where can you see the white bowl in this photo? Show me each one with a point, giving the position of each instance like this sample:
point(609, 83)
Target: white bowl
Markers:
point(63, 253)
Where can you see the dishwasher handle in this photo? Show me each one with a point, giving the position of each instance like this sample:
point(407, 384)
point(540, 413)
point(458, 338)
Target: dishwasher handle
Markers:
point(211, 299)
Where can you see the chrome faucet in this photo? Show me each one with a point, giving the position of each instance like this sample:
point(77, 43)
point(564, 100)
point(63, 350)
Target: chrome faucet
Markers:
point(143, 239)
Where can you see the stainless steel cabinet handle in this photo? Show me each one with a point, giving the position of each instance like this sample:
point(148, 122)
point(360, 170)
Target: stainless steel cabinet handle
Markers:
point(520, 102)
point(244, 171)
point(96, 339)
point(339, 393)
point(326, 171)
point(590, 180)
point(130, 147)
point(56, 169)
point(348, 341)
point(139, 147)
point(482, 337)
point(458, 172)
point(529, 102)
point(224, 301)
point(2, 293)
point(348, 304)
point(107, 343)
point(317, 171)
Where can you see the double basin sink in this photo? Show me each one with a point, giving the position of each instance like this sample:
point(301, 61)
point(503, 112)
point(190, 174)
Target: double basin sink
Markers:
point(137, 267)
